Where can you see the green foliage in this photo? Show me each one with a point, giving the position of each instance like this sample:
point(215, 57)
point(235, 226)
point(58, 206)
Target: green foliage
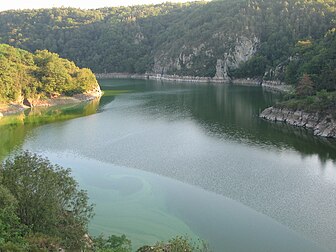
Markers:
point(254, 67)
point(305, 86)
point(42, 209)
point(12, 247)
point(291, 75)
point(135, 38)
point(318, 60)
point(322, 101)
point(39, 242)
point(28, 76)
point(177, 244)
point(112, 244)
point(10, 227)
point(48, 200)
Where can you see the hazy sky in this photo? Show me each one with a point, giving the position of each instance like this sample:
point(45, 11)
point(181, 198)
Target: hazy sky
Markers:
point(84, 4)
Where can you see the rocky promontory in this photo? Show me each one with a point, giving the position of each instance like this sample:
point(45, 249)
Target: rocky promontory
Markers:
point(41, 79)
point(13, 108)
point(322, 124)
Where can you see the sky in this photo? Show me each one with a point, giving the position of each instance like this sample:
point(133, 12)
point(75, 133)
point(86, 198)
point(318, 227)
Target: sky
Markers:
point(84, 4)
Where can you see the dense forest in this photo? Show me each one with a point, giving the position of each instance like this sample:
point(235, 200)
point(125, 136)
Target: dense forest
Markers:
point(293, 41)
point(262, 39)
point(25, 76)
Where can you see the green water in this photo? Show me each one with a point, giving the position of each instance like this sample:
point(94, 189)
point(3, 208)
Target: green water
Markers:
point(162, 159)
point(14, 128)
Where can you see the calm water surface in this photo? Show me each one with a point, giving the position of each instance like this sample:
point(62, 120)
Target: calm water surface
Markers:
point(162, 159)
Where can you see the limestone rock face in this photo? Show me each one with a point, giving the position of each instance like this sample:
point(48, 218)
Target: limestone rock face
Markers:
point(235, 51)
point(222, 70)
point(244, 50)
point(322, 124)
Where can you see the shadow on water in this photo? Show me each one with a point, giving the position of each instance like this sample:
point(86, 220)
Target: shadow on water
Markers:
point(204, 135)
point(223, 111)
point(231, 112)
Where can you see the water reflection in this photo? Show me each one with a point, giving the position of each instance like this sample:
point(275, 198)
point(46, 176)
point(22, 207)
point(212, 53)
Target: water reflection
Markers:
point(15, 128)
point(209, 136)
point(230, 112)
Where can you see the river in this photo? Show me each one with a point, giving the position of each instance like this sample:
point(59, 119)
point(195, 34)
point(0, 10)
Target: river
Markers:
point(164, 159)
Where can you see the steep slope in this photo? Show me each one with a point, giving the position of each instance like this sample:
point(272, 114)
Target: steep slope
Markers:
point(221, 39)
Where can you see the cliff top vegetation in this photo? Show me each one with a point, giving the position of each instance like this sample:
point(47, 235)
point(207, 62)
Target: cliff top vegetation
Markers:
point(24, 75)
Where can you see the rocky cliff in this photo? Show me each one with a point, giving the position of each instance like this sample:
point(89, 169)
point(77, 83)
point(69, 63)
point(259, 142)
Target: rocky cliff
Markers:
point(194, 60)
point(243, 50)
point(323, 124)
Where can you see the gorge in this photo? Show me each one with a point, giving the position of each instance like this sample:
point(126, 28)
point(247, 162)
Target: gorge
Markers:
point(159, 110)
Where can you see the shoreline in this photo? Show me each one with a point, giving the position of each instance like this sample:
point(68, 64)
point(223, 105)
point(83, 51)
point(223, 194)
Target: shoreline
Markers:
point(322, 124)
point(14, 108)
point(276, 86)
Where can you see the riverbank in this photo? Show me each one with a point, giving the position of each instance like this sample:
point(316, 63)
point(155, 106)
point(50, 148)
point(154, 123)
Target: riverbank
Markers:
point(121, 76)
point(322, 124)
point(271, 85)
point(13, 108)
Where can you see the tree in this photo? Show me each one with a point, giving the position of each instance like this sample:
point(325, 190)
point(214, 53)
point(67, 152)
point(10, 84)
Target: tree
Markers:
point(25, 76)
point(305, 86)
point(132, 38)
point(112, 244)
point(9, 222)
point(85, 80)
point(177, 244)
point(49, 200)
point(328, 79)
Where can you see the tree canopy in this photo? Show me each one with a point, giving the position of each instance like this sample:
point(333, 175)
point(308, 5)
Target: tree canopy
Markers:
point(298, 35)
point(41, 204)
point(24, 75)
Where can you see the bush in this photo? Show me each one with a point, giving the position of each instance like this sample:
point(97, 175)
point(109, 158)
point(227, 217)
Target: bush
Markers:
point(177, 244)
point(112, 244)
point(48, 199)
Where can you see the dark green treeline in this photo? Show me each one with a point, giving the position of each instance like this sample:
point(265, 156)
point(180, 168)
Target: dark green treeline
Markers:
point(295, 36)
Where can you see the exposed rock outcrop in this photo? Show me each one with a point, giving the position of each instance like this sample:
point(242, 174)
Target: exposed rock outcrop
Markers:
point(323, 124)
point(271, 85)
point(177, 78)
point(14, 108)
point(243, 50)
point(236, 50)
point(222, 70)
point(11, 109)
point(120, 76)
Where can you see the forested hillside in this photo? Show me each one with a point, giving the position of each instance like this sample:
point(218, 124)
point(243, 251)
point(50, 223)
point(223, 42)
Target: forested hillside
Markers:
point(273, 40)
point(25, 76)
